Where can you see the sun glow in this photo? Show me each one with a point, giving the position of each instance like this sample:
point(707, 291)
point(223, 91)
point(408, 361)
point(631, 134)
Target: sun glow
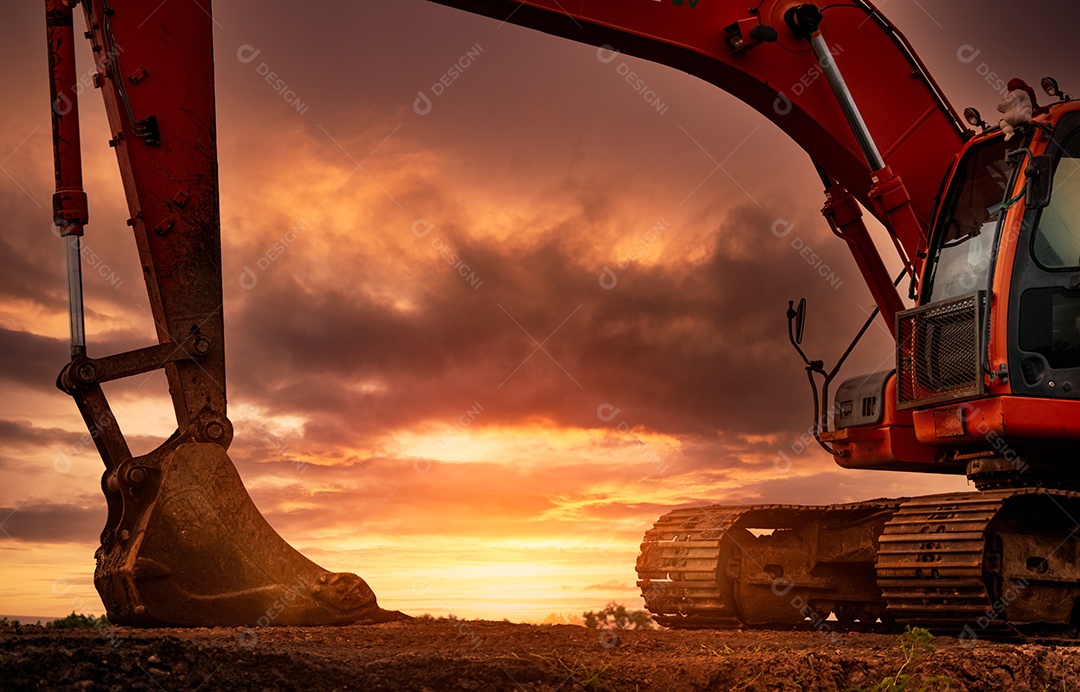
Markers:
point(463, 441)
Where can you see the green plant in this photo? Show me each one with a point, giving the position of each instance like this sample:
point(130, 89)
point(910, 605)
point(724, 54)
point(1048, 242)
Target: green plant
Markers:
point(915, 642)
point(79, 622)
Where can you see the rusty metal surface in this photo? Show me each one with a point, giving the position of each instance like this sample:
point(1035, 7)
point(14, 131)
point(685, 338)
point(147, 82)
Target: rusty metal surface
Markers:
point(83, 371)
point(930, 565)
point(164, 134)
point(677, 568)
point(70, 210)
point(789, 565)
point(998, 563)
point(703, 567)
point(186, 546)
point(1001, 564)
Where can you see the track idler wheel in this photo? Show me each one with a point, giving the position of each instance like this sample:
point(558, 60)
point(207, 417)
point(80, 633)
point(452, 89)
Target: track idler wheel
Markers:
point(186, 546)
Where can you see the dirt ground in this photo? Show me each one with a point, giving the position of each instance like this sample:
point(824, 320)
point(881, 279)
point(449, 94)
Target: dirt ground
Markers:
point(480, 655)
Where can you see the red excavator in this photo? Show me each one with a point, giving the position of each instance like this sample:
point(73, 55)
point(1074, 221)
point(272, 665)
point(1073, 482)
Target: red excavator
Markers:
point(984, 219)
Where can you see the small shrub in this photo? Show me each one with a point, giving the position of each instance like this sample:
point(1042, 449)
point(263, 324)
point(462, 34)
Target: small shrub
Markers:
point(915, 642)
point(78, 621)
point(615, 616)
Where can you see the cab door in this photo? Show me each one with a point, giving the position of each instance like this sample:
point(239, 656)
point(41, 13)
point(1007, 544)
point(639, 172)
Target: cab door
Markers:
point(1044, 298)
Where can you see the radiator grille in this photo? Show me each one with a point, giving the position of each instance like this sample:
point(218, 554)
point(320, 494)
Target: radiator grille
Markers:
point(940, 351)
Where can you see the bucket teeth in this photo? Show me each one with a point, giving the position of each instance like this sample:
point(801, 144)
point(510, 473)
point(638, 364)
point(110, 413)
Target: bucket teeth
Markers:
point(188, 547)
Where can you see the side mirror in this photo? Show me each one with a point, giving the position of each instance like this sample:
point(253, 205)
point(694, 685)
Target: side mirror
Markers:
point(800, 321)
point(1040, 175)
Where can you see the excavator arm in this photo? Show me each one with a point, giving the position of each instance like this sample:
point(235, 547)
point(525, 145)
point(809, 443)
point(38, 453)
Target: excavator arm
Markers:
point(183, 543)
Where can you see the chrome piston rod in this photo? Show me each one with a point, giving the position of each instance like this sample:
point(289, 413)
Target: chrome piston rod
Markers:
point(847, 103)
point(75, 295)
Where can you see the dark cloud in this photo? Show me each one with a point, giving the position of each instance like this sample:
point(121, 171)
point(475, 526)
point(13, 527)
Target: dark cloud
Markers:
point(23, 434)
point(611, 586)
point(30, 359)
point(54, 522)
point(26, 276)
point(679, 347)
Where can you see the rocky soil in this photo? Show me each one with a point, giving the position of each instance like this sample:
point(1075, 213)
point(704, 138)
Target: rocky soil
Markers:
point(480, 655)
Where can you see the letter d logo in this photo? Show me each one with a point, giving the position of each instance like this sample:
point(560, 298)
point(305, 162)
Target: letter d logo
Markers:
point(248, 279)
point(422, 104)
point(421, 228)
point(246, 53)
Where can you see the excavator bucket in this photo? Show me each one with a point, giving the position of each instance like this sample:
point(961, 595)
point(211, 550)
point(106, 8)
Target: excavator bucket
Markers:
point(186, 546)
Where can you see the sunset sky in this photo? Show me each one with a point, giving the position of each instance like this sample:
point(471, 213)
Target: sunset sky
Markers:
point(430, 383)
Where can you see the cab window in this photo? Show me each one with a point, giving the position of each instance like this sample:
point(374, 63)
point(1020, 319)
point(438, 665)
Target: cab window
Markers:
point(1057, 236)
point(963, 252)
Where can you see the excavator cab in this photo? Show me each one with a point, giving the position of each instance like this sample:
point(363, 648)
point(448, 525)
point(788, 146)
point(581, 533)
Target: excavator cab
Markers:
point(988, 361)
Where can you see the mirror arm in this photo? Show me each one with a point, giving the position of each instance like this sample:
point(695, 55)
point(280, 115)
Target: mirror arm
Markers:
point(821, 398)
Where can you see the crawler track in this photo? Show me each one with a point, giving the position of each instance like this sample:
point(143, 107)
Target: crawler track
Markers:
point(1002, 564)
point(930, 564)
point(998, 564)
point(677, 568)
point(678, 564)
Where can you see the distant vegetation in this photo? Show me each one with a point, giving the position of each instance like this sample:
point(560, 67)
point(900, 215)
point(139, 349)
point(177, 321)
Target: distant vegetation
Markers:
point(615, 616)
point(79, 622)
point(428, 617)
